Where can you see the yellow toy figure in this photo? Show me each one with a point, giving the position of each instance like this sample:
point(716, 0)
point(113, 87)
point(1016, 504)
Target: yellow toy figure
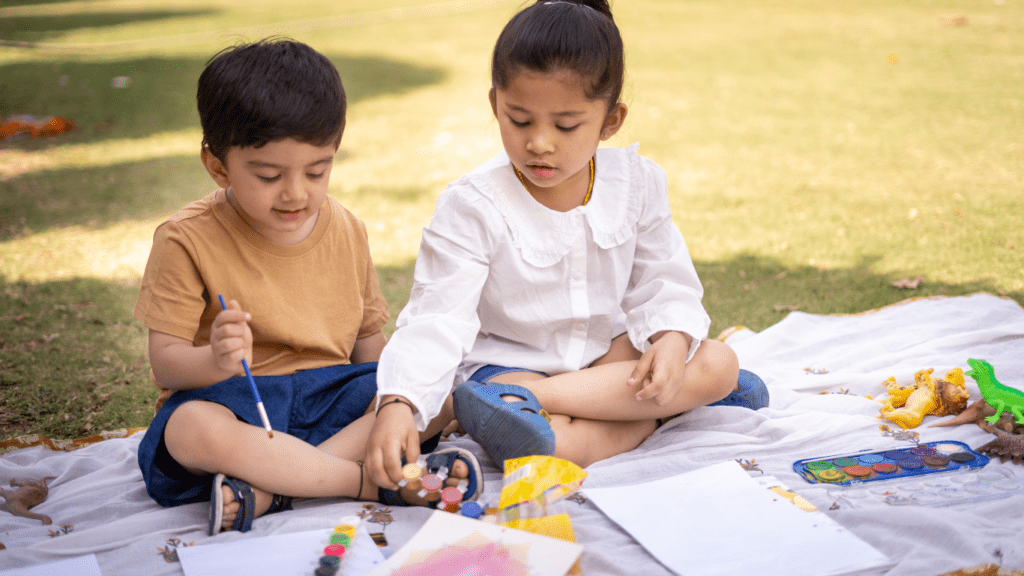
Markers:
point(908, 405)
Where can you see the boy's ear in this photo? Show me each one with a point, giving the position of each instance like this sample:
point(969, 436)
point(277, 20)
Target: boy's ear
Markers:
point(614, 121)
point(493, 97)
point(215, 168)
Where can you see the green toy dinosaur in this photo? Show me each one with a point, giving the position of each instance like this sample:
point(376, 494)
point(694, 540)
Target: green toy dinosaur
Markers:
point(999, 396)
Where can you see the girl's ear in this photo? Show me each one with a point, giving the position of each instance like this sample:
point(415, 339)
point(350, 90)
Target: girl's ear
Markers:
point(614, 121)
point(215, 168)
point(493, 97)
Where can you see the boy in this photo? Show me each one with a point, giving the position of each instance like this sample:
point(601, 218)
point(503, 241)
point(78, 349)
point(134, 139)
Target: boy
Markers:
point(304, 303)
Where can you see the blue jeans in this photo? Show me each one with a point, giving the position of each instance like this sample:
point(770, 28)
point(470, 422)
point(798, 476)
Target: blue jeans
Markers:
point(485, 374)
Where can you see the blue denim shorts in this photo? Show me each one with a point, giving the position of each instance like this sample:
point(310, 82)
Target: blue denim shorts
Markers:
point(311, 405)
point(484, 375)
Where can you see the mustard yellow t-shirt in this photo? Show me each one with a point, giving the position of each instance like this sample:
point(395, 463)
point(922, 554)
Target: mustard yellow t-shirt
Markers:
point(309, 302)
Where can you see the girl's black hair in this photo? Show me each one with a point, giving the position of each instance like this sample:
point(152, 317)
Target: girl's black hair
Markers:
point(252, 94)
point(576, 35)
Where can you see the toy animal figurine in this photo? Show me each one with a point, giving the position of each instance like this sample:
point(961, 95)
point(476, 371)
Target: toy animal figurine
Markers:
point(998, 396)
point(28, 494)
point(908, 405)
point(1007, 446)
point(977, 413)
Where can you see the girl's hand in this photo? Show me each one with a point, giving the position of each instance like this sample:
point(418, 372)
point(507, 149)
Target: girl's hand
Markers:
point(394, 433)
point(660, 370)
point(231, 339)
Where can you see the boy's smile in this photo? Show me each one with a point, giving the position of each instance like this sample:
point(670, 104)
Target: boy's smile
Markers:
point(550, 130)
point(278, 188)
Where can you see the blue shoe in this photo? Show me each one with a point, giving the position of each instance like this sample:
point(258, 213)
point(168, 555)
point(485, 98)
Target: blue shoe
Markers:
point(752, 393)
point(506, 430)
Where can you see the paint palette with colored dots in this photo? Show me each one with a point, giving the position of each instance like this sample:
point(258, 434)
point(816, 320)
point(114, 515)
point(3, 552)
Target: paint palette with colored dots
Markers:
point(969, 486)
point(924, 459)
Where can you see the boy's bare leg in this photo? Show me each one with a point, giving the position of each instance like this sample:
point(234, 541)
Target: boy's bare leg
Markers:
point(601, 392)
point(207, 438)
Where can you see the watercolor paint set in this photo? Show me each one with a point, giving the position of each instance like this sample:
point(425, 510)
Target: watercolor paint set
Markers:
point(968, 486)
point(925, 459)
point(942, 473)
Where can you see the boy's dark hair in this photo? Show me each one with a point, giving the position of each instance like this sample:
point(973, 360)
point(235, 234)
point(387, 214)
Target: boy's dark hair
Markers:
point(252, 94)
point(576, 35)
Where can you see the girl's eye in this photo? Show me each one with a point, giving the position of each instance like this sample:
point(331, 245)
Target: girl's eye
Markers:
point(519, 124)
point(315, 176)
point(268, 179)
point(567, 128)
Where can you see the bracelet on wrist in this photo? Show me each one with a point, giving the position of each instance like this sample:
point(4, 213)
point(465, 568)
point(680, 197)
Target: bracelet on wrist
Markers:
point(397, 401)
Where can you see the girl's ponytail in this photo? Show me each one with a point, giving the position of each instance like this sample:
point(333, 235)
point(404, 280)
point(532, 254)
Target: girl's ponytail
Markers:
point(601, 6)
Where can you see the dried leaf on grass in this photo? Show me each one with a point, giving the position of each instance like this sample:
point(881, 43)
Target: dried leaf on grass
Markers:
point(908, 283)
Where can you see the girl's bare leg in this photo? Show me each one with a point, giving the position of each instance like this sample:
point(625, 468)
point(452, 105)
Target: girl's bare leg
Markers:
point(601, 392)
point(595, 414)
point(584, 442)
point(207, 438)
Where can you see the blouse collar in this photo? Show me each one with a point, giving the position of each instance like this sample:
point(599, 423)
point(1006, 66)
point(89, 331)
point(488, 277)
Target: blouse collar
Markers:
point(544, 236)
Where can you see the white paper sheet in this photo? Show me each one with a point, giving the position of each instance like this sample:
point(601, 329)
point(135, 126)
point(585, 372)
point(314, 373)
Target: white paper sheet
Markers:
point(295, 554)
point(718, 521)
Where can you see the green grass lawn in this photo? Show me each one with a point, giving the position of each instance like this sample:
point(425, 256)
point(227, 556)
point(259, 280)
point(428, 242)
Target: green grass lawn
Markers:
point(816, 152)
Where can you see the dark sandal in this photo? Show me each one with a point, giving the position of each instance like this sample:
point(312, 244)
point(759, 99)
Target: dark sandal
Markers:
point(246, 504)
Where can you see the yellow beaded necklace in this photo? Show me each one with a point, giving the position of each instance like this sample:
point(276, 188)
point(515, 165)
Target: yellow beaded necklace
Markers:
point(590, 189)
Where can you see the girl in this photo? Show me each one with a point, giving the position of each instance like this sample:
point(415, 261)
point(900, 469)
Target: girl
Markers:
point(551, 285)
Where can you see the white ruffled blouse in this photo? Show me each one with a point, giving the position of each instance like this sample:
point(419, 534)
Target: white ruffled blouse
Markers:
point(502, 279)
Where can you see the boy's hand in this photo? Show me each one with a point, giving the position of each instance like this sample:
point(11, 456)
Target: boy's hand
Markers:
point(659, 372)
point(231, 338)
point(394, 433)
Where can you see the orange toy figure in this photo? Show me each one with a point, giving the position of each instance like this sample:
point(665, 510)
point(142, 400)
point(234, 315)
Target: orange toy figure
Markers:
point(35, 127)
point(908, 405)
point(28, 494)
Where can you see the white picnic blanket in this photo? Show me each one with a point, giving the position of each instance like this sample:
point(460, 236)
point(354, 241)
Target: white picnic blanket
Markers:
point(819, 370)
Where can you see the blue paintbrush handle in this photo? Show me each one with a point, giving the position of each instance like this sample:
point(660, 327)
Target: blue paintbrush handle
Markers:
point(252, 382)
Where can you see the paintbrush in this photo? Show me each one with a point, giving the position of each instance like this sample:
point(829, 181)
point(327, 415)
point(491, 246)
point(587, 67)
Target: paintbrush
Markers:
point(252, 384)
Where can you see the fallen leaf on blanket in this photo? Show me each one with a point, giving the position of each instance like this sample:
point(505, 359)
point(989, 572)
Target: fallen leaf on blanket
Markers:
point(780, 308)
point(908, 283)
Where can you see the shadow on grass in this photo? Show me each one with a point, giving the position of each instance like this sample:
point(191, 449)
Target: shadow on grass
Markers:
point(160, 98)
point(73, 359)
point(101, 196)
point(20, 3)
point(74, 362)
point(757, 292)
point(160, 93)
point(96, 197)
point(42, 28)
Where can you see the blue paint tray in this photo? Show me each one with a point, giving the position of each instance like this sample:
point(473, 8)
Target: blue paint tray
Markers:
point(944, 456)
